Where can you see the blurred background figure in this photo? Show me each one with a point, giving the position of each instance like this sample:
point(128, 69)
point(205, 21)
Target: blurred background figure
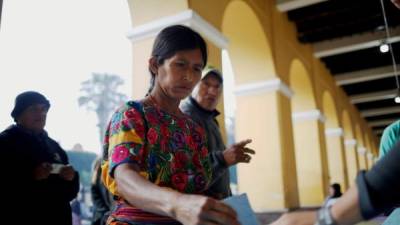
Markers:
point(41, 178)
point(334, 193)
point(101, 198)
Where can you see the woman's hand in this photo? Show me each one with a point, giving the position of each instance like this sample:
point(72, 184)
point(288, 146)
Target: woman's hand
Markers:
point(197, 209)
point(42, 171)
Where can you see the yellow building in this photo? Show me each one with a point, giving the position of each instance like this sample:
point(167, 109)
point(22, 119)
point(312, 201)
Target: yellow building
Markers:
point(305, 131)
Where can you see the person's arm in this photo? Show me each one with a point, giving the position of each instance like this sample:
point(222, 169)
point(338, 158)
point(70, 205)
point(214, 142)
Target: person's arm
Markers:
point(379, 187)
point(376, 191)
point(345, 211)
point(186, 208)
point(347, 208)
point(396, 3)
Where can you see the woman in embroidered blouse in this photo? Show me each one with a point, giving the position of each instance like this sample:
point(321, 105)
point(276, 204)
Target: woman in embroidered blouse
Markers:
point(156, 158)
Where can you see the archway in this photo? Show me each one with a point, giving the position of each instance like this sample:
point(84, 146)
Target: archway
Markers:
point(258, 111)
point(361, 150)
point(350, 146)
point(308, 148)
point(334, 142)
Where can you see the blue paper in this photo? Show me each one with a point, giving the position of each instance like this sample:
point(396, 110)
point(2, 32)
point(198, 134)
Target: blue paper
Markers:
point(393, 218)
point(240, 203)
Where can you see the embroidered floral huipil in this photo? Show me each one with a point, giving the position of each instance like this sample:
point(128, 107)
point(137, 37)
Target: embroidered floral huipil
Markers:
point(170, 152)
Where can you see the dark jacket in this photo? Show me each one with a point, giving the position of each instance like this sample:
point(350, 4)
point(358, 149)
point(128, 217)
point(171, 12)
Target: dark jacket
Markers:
point(30, 201)
point(220, 183)
point(379, 187)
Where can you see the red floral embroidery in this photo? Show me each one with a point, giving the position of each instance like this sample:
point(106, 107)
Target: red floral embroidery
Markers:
point(116, 128)
point(139, 129)
point(179, 181)
point(152, 136)
point(142, 153)
point(126, 124)
point(164, 145)
point(164, 132)
point(200, 182)
point(190, 142)
point(133, 114)
point(181, 123)
point(174, 154)
point(120, 153)
point(196, 161)
point(152, 118)
point(180, 159)
point(204, 152)
point(106, 139)
point(197, 138)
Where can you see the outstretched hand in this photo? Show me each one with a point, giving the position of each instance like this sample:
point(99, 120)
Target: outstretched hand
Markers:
point(238, 153)
point(197, 209)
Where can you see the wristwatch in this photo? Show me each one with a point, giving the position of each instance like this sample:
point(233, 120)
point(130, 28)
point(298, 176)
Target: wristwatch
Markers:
point(324, 216)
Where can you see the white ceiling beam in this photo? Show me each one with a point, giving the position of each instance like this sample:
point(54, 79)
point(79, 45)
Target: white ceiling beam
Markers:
point(189, 18)
point(380, 111)
point(378, 123)
point(374, 96)
point(287, 5)
point(364, 75)
point(354, 43)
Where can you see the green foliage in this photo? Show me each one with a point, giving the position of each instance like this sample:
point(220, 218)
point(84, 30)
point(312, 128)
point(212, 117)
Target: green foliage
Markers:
point(82, 162)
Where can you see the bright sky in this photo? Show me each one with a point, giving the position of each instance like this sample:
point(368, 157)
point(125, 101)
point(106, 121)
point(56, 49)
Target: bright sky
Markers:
point(51, 47)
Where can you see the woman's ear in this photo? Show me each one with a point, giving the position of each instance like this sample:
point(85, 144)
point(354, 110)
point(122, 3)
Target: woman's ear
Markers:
point(153, 65)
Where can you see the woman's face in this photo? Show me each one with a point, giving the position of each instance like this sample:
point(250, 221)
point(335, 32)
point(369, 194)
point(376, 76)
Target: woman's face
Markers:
point(178, 75)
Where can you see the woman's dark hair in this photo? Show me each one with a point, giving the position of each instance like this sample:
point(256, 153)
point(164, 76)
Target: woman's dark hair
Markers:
point(172, 39)
point(337, 192)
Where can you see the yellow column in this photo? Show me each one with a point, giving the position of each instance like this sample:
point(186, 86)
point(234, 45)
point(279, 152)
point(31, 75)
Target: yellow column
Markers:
point(270, 179)
point(361, 157)
point(351, 160)
point(311, 158)
point(370, 158)
point(336, 157)
point(147, 15)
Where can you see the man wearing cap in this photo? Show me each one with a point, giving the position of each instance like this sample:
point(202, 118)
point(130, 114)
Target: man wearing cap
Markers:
point(37, 182)
point(201, 107)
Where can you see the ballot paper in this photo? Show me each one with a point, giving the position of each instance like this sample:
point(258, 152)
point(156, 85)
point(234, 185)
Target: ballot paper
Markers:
point(393, 218)
point(240, 203)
